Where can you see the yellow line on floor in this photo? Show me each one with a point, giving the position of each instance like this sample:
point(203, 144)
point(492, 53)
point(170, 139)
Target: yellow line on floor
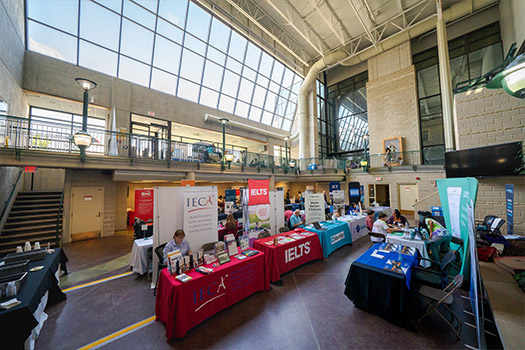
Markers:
point(118, 334)
point(98, 281)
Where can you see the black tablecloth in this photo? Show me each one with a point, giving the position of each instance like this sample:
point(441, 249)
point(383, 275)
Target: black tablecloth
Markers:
point(16, 323)
point(380, 292)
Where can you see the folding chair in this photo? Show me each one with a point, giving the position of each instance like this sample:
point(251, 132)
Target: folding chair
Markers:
point(160, 254)
point(376, 235)
point(435, 297)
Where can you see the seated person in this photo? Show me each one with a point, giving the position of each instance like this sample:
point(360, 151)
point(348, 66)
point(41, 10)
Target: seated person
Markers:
point(439, 236)
point(397, 219)
point(353, 209)
point(369, 219)
point(232, 225)
point(295, 219)
point(177, 243)
point(380, 226)
point(338, 213)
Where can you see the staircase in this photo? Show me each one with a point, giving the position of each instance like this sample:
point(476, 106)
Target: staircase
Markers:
point(33, 218)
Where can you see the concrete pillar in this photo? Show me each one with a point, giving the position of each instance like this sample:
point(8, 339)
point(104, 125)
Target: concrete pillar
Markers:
point(444, 79)
point(272, 183)
point(190, 176)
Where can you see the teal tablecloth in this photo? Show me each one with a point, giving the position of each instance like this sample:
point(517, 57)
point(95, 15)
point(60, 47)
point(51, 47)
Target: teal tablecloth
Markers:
point(336, 235)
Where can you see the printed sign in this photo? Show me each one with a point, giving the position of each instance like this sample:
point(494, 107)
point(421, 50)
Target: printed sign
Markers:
point(88, 198)
point(338, 196)
point(229, 195)
point(259, 192)
point(144, 204)
point(334, 186)
point(199, 210)
point(509, 195)
point(259, 217)
point(337, 237)
point(314, 207)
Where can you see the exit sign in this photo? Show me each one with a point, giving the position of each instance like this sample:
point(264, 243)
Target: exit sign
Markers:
point(30, 169)
point(151, 114)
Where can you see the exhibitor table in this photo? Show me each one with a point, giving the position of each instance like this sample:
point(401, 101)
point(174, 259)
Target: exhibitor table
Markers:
point(357, 225)
point(17, 323)
point(287, 256)
point(182, 306)
point(335, 235)
point(139, 255)
point(417, 243)
point(374, 287)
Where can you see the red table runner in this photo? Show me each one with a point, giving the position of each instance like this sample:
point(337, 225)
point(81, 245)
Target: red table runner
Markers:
point(182, 306)
point(288, 256)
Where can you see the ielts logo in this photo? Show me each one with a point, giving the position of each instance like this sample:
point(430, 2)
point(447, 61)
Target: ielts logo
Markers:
point(296, 252)
point(259, 192)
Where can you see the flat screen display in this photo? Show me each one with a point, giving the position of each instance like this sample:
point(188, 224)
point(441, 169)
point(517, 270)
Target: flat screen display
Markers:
point(354, 192)
point(498, 160)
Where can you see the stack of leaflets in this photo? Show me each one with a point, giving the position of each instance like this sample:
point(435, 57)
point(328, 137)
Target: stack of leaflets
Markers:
point(183, 278)
point(396, 266)
point(244, 242)
point(209, 259)
point(173, 259)
point(240, 256)
point(408, 250)
point(200, 257)
point(231, 244)
point(250, 252)
point(296, 236)
point(204, 270)
point(284, 240)
point(220, 247)
point(306, 233)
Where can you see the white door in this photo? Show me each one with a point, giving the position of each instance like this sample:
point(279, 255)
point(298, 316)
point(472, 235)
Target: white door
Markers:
point(86, 212)
point(407, 197)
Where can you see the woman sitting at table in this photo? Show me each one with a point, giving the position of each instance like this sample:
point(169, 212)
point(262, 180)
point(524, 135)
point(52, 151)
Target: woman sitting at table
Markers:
point(177, 243)
point(232, 225)
point(380, 226)
point(353, 208)
point(338, 213)
point(397, 219)
point(370, 219)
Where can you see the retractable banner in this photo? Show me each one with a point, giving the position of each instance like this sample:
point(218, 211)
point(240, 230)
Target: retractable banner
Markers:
point(509, 194)
point(144, 204)
point(259, 192)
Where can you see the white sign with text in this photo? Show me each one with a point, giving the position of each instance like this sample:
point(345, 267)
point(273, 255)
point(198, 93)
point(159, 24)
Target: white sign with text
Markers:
point(314, 207)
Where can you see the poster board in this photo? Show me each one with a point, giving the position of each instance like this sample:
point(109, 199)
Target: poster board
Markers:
point(273, 222)
point(338, 197)
point(168, 216)
point(314, 207)
point(144, 204)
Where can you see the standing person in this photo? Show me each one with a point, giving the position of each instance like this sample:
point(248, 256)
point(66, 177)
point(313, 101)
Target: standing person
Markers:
point(288, 197)
point(232, 225)
point(369, 220)
point(388, 156)
point(380, 226)
point(177, 243)
point(220, 204)
point(295, 219)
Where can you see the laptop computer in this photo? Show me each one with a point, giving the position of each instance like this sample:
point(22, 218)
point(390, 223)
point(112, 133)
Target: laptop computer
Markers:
point(318, 226)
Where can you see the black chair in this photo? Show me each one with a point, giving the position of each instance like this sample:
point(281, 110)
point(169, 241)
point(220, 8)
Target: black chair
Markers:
point(376, 235)
point(436, 275)
point(208, 247)
point(284, 229)
point(160, 265)
point(149, 258)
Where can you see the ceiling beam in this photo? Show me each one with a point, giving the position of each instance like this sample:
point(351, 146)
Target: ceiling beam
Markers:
point(400, 8)
point(365, 27)
point(328, 21)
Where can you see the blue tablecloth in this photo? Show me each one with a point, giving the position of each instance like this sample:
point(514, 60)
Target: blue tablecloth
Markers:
point(406, 259)
point(336, 235)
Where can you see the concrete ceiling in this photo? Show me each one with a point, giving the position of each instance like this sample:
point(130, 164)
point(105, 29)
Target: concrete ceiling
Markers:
point(302, 31)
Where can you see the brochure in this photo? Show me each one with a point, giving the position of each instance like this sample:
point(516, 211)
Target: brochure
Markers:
point(187, 265)
point(240, 256)
point(250, 252)
point(200, 256)
point(220, 247)
point(232, 247)
point(183, 278)
point(223, 258)
point(204, 270)
point(408, 250)
point(244, 242)
point(172, 261)
point(209, 259)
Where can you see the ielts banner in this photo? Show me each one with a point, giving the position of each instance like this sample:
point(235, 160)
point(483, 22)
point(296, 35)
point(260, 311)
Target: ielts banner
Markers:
point(259, 192)
point(144, 204)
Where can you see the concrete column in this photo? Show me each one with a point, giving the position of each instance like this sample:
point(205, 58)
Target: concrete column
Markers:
point(444, 79)
point(190, 176)
point(272, 183)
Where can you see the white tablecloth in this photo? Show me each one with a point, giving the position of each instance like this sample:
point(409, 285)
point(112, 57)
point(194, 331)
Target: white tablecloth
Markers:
point(416, 243)
point(357, 225)
point(139, 255)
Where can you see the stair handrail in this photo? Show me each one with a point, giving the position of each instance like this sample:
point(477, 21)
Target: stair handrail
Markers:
point(58, 216)
point(8, 200)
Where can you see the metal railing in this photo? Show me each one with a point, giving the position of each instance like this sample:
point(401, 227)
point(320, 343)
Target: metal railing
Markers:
point(59, 214)
point(434, 156)
point(321, 163)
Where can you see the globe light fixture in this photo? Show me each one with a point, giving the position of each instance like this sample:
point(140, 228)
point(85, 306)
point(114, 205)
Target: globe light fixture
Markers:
point(511, 79)
point(83, 139)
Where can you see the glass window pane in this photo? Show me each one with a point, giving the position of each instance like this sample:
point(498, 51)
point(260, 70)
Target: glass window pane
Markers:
point(99, 25)
point(188, 90)
point(233, 65)
point(258, 96)
point(266, 64)
point(274, 87)
point(241, 109)
point(57, 13)
point(115, 5)
point(191, 66)
point(263, 81)
point(237, 47)
point(458, 70)
point(432, 130)
point(255, 114)
point(52, 43)
point(134, 71)
point(428, 81)
point(174, 11)
point(149, 4)
point(267, 118)
point(167, 55)
point(198, 22)
point(245, 90)
point(219, 35)
point(278, 70)
point(287, 124)
point(216, 55)
point(163, 81)
point(253, 54)
point(226, 104)
point(271, 101)
point(231, 83)
point(484, 60)
point(169, 31)
point(288, 79)
point(139, 15)
point(97, 58)
point(212, 75)
point(209, 98)
point(137, 42)
point(430, 106)
point(277, 122)
point(249, 73)
point(194, 44)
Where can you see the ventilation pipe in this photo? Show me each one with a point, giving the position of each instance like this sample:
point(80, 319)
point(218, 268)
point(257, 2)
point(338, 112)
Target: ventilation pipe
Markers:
point(454, 12)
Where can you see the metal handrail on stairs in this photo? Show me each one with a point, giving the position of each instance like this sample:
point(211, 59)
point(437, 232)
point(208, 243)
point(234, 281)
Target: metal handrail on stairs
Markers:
point(8, 200)
point(58, 217)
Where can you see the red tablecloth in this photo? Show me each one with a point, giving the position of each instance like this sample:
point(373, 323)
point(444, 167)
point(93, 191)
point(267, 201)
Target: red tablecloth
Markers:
point(288, 256)
point(223, 231)
point(182, 306)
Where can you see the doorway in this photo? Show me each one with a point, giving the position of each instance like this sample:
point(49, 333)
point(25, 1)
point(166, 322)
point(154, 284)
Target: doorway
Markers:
point(151, 137)
point(86, 212)
point(408, 196)
point(379, 193)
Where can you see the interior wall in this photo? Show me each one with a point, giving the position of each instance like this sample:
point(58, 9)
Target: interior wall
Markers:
point(8, 176)
point(45, 179)
point(121, 201)
point(12, 50)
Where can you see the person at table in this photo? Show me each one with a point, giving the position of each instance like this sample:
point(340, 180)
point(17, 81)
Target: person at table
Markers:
point(369, 219)
point(338, 213)
point(231, 225)
point(397, 219)
point(380, 226)
point(295, 219)
point(352, 209)
point(177, 243)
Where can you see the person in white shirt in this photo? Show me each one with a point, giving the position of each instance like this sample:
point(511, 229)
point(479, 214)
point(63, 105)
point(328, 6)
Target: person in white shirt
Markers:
point(380, 226)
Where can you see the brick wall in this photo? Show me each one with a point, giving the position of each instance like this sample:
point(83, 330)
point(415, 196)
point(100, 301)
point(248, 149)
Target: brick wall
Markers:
point(489, 117)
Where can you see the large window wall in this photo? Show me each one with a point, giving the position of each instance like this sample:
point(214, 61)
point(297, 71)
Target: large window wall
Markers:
point(471, 56)
point(325, 119)
point(173, 46)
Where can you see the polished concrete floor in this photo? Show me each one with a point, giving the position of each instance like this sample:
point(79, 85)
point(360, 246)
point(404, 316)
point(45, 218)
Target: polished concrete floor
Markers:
point(309, 311)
